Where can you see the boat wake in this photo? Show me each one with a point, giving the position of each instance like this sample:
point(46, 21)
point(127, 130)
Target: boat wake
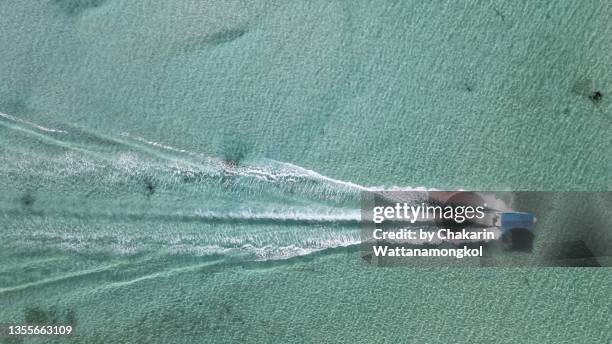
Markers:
point(78, 190)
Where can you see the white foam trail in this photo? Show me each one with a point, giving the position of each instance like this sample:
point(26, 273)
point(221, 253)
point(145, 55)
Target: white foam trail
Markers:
point(286, 252)
point(153, 143)
point(347, 215)
point(268, 190)
point(316, 175)
point(39, 127)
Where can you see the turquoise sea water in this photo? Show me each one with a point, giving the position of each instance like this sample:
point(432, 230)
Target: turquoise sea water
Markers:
point(189, 171)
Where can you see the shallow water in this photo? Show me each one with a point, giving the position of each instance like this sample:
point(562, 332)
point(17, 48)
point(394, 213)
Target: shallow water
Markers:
point(190, 171)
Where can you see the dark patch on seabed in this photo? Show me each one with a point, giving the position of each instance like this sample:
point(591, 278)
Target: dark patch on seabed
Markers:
point(27, 200)
point(234, 151)
point(76, 7)
point(150, 187)
point(35, 315)
point(596, 96)
point(215, 38)
point(225, 36)
point(586, 88)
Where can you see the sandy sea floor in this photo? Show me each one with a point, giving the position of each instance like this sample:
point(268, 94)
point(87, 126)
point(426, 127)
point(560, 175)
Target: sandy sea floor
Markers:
point(189, 171)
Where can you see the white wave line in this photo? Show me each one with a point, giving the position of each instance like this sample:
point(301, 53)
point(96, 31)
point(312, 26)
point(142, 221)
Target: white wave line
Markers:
point(288, 215)
point(317, 175)
point(153, 143)
point(39, 127)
